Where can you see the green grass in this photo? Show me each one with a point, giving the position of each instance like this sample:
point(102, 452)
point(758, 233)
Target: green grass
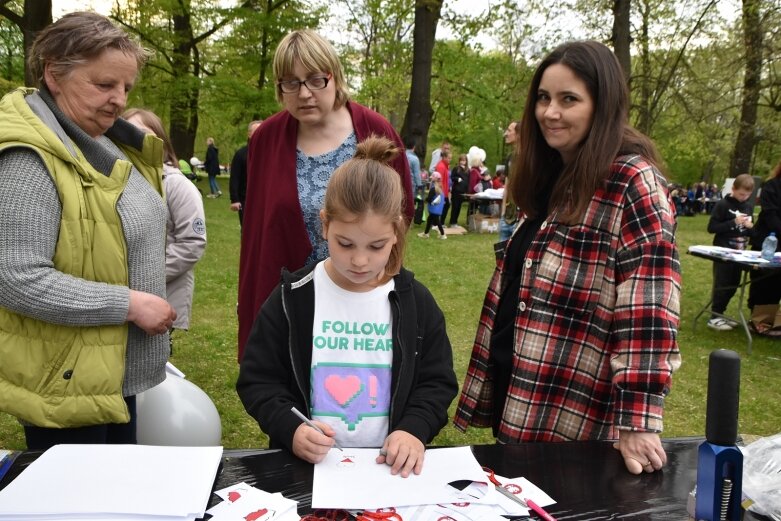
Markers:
point(457, 272)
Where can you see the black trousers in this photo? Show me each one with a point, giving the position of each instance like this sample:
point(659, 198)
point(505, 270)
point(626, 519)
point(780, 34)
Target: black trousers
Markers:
point(42, 438)
point(455, 209)
point(726, 278)
point(764, 289)
point(434, 220)
point(444, 211)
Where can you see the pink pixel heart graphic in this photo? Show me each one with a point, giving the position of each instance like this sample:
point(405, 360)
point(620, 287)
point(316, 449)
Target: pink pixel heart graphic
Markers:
point(343, 390)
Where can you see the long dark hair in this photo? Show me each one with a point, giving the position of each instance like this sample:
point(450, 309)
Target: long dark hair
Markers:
point(536, 164)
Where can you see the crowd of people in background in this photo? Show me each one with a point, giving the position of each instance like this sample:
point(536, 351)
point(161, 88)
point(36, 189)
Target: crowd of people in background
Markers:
point(697, 198)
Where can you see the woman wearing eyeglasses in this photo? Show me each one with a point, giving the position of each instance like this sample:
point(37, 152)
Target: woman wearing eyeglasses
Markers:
point(290, 160)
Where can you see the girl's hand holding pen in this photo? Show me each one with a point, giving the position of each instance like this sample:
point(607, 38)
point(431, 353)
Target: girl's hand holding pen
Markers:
point(403, 452)
point(310, 445)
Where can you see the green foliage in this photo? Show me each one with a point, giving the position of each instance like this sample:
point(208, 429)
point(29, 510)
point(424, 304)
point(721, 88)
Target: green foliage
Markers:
point(7, 86)
point(239, 86)
point(457, 272)
point(378, 55)
point(225, 63)
point(475, 96)
point(474, 93)
point(11, 52)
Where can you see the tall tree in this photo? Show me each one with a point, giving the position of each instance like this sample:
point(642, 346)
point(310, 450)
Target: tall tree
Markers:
point(468, 110)
point(380, 52)
point(167, 28)
point(659, 71)
point(36, 15)
point(752, 41)
point(622, 37)
point(239, 87)
point(175, 30)
point(211, 62)
point(417, 119)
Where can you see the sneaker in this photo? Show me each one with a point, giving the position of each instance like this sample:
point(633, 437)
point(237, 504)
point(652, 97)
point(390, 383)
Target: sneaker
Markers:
point(732, 323)
point(719, 324)
point(423, 235)
point(211, 196)
point(443, 236)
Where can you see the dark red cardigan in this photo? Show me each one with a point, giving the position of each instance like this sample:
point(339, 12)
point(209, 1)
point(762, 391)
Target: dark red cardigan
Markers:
point(273, 232)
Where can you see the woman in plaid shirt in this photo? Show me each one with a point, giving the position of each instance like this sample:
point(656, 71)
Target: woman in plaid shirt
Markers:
point(577, 335)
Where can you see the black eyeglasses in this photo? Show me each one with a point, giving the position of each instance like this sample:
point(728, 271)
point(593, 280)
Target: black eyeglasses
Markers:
point(313, 83)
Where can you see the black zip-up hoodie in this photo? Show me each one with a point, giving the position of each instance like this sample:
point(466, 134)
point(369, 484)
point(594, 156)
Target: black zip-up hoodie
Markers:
point(275, 370)
point(722, 222)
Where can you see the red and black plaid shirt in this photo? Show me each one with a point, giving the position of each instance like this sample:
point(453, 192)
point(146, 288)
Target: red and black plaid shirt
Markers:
point(596, 321)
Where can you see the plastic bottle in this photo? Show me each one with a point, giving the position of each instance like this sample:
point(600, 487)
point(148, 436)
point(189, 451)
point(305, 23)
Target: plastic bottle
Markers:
point(769, 246)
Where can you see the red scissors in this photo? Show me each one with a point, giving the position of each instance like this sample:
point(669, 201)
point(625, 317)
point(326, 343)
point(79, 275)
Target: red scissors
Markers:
point(344, 515)
point(328, 515)
point(526, 502)
point(379, 515)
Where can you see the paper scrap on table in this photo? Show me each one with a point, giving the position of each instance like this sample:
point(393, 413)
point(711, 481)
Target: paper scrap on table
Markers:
point(243, 502)
point(352, 480)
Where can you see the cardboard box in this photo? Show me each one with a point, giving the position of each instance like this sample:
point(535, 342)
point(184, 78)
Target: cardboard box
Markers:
point(483, 223)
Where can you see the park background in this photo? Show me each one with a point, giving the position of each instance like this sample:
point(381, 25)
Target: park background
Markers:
point(705, 78)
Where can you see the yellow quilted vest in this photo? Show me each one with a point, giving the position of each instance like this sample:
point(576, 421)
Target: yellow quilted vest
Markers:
point(60, 376)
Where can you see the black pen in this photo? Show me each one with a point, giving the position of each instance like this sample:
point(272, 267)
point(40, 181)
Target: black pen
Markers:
point(315, 427)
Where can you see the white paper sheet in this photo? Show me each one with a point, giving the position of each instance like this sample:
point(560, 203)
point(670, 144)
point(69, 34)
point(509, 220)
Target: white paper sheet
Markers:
point(113, 482)
point(746, 256)
point(352, 480)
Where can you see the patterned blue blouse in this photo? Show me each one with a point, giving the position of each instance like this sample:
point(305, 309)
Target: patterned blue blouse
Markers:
point(312, 175)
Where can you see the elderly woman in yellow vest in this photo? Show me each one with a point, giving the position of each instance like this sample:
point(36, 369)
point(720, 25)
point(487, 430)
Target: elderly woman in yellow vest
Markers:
point(83, 317)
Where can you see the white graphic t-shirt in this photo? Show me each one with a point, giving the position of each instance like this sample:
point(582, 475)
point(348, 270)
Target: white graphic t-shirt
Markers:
point(352, 354)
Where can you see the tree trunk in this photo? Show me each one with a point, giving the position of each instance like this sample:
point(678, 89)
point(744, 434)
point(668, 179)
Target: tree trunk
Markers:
point(621, 37)
point(184, 102)
point(746, 139)
point(417, 119)
point(37, 15)
point(644, 106)
point(267, 43)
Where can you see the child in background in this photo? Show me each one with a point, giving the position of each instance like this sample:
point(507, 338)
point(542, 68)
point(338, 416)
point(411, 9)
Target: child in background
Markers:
point(485, 182)
point(186, 224)
point(436, 205)
point(354, 340)
point(459, 177)
point(731, 223)
point(498, 181)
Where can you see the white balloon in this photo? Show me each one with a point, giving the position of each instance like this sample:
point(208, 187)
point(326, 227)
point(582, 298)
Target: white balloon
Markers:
point(177, 413)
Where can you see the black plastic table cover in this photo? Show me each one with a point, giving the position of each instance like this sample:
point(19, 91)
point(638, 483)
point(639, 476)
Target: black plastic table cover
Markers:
point(587, 479)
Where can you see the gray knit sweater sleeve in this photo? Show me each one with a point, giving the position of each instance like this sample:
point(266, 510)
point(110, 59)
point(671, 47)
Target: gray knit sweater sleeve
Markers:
point(29, 227)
